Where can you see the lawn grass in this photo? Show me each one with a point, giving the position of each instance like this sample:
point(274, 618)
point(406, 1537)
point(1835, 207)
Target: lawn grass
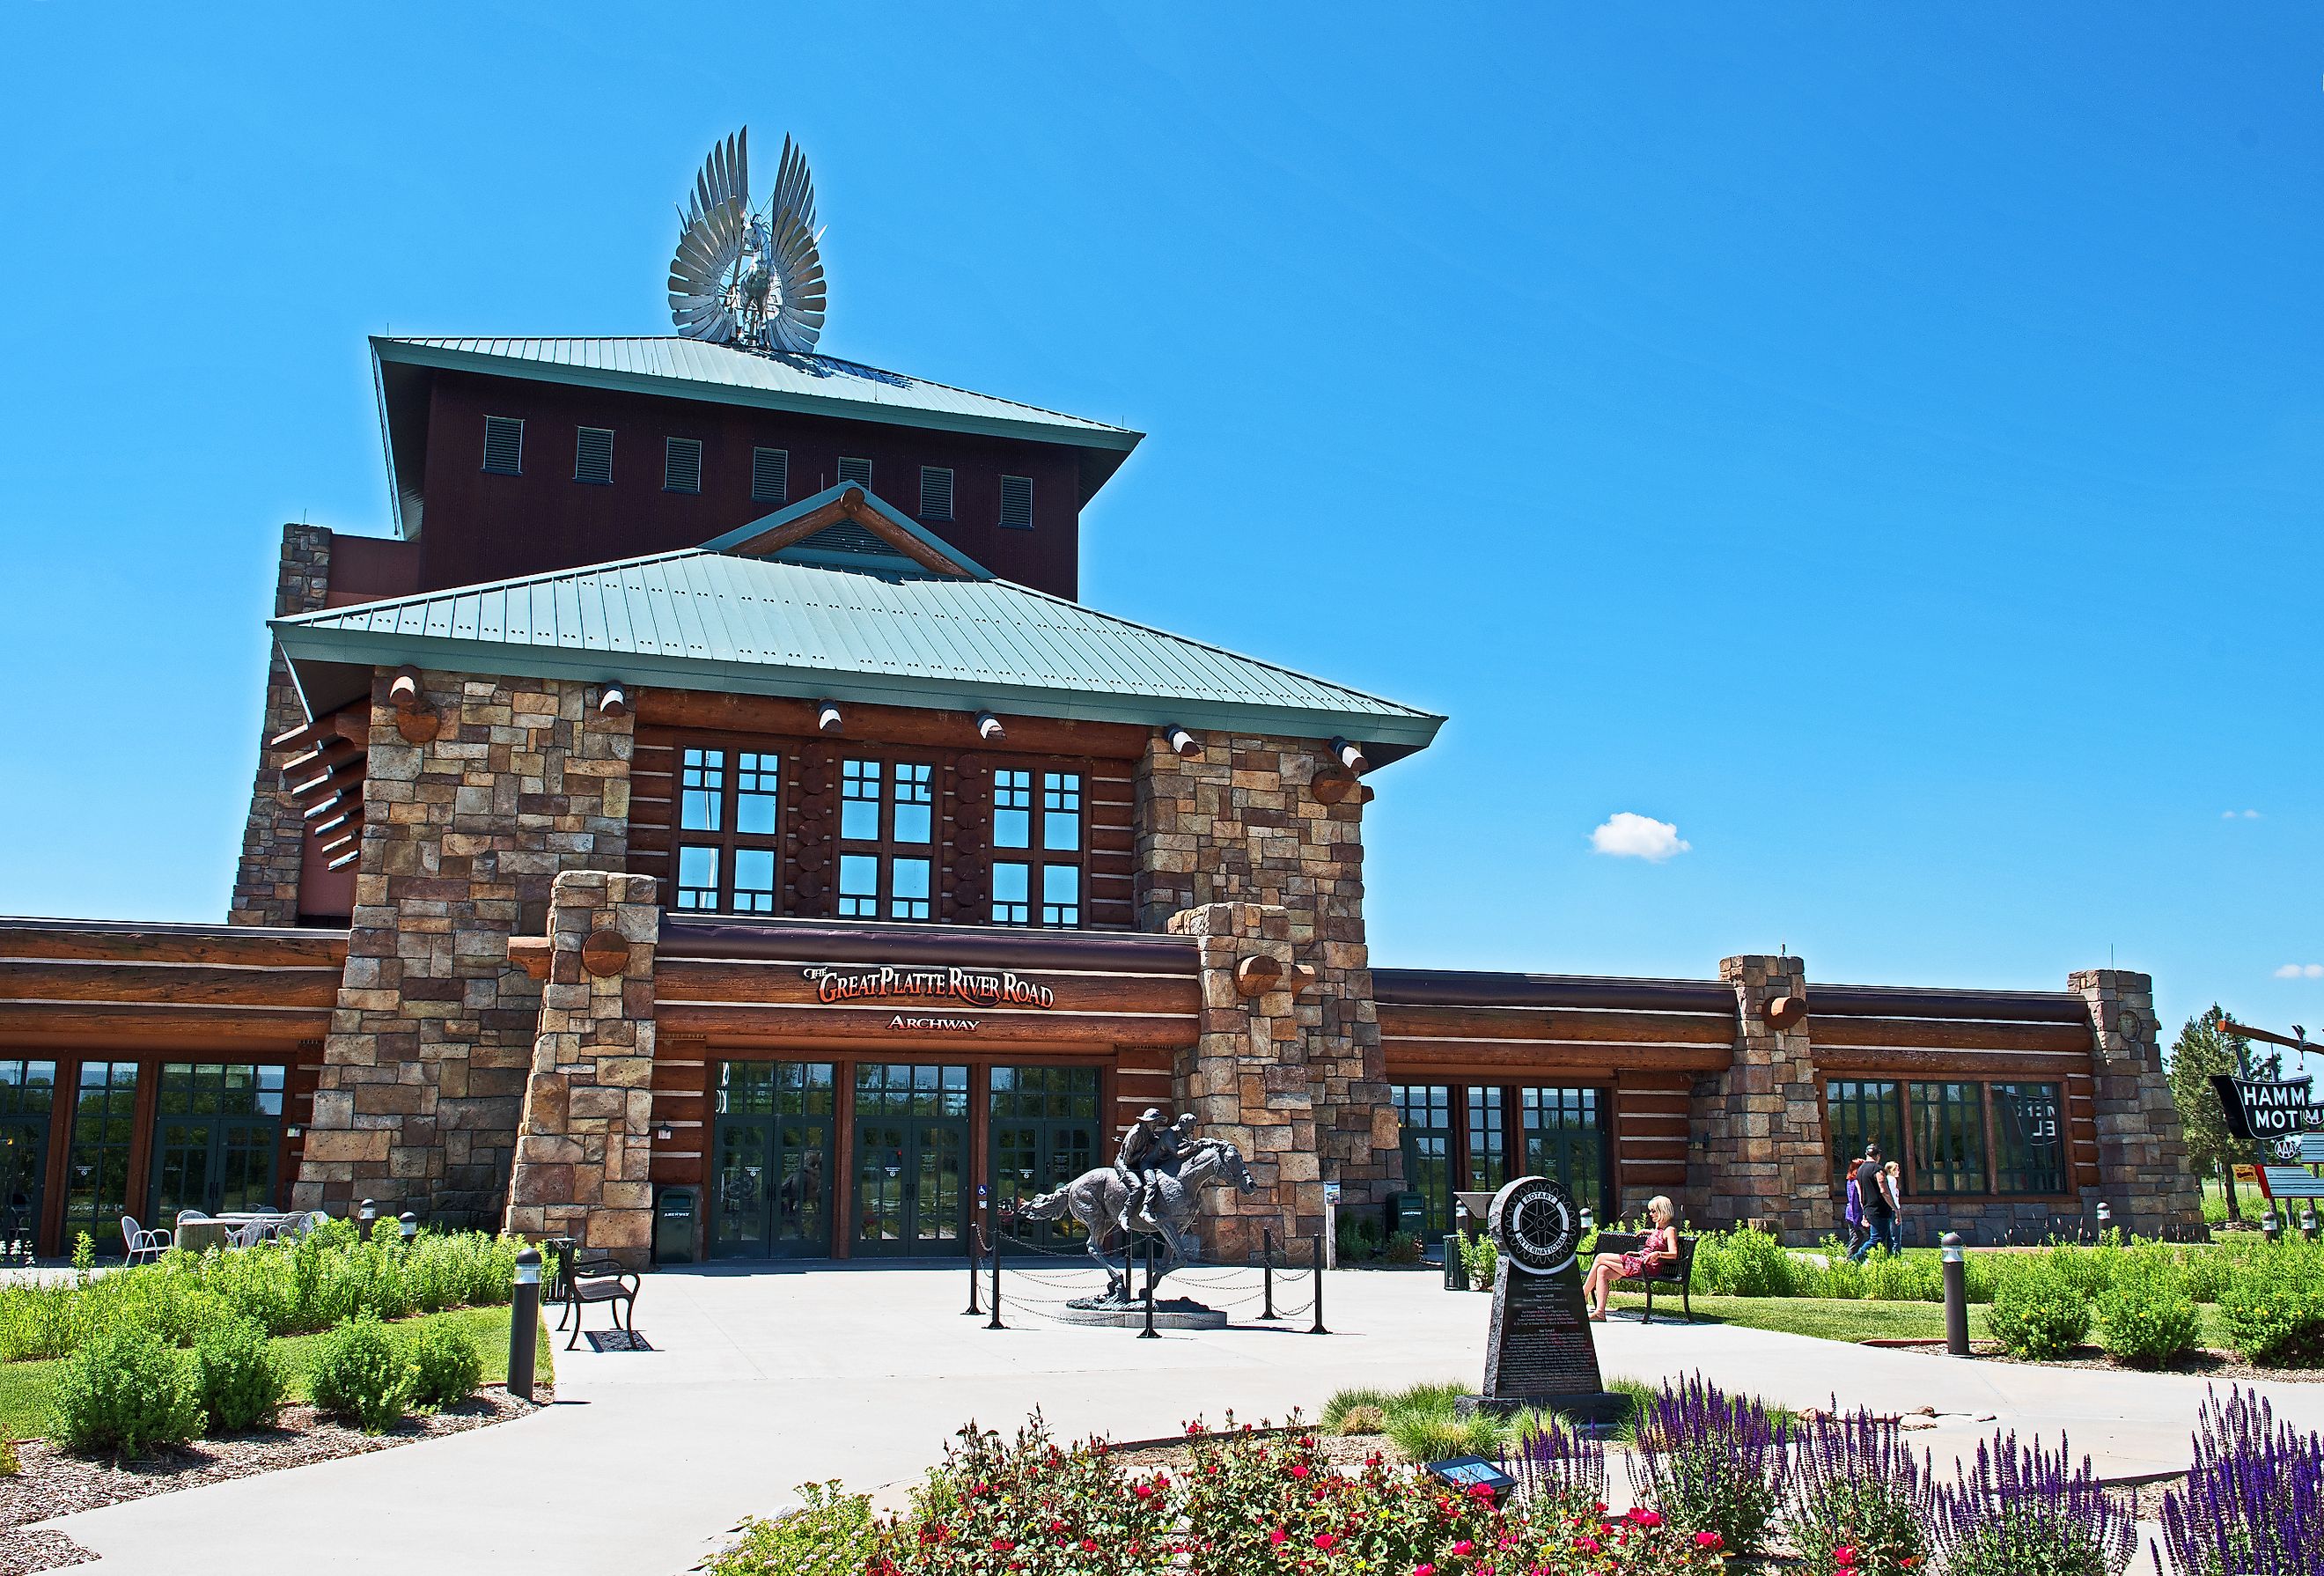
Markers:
point(25, 1387)
point(1850, 1319)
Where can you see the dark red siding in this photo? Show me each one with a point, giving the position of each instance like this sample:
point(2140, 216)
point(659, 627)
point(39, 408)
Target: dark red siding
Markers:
point(478, 526)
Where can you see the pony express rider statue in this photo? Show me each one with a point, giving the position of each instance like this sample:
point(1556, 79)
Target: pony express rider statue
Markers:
point(1148, 1150)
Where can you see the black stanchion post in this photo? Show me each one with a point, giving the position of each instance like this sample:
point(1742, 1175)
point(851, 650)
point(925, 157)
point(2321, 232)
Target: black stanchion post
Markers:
point(524, 1323)
point(1267, 1270)
point(1147, 1333)
point(992, 1246)
point(972, 1266)
point(1318, 1246)
point(1956, 1295)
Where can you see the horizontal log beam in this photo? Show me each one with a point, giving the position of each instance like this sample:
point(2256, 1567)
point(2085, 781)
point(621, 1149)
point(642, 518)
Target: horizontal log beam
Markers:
point(1932, 1035)
point(1475, 988)
point(165, 943)
point(1027, 952)
point(190, 1028)
point(1072, 1031)
point(1401, 1020)
point(1543, 1063)
point(1904, 1001)
point(764, 714)
point(2049, 1066)
point(183, 984)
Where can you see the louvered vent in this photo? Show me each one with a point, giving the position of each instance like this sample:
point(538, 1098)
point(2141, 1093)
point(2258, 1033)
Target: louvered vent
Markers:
point(936, 492)
point(857, 471)
point(681, 466)
point(847, 537)
point(1016, 502)
point(771, 476)
point(593, 455)
point(504, 445)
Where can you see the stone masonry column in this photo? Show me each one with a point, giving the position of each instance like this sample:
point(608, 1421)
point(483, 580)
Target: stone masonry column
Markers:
point(275, 836)
point(1246, 1077)
point(1758, 1149)
point(583, 1146)
point(2143, 1171)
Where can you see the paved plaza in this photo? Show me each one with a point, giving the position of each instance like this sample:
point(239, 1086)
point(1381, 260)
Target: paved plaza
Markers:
point(762, 1380)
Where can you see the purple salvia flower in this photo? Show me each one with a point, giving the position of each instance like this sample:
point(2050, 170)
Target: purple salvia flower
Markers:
point(1559, 1469)
point(2025, 1512)
point(2254, 1501)
point(1712, 1462)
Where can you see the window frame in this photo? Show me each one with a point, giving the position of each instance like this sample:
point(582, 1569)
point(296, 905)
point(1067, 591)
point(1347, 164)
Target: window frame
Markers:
point(671, 449)
point(886, 849)
point(579, 433)
point(491, 424)
point(781, 494)
point(840, 470)
point(1995, 1170)
point(1035, 856)
point(1005, 522)
point(727, 839)
point(951, 491)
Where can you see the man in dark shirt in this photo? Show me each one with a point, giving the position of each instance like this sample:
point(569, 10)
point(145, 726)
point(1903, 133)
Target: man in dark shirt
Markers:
point(1879, 1218)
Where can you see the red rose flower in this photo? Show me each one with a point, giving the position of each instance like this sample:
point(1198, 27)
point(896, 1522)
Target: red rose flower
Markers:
point(1711, 1539)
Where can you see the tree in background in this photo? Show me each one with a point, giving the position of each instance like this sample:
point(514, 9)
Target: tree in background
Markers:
point(2205, 1047)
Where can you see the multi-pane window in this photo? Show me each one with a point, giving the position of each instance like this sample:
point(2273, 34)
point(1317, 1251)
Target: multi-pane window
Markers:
point(936, 492)
point(1948, 1138)
point(214, 1128)
point(1016, 502)
point(729, 827)
point(28, 1093)
point(1563, 1139)
point(888, 807)
point(771, 476)
point(2029, 1146)
point(681, 464)
point(593, 455)
point(1044, 1133)
point(1036, 837)
point(858, 471)
point(1488, 1165)
point(1862, 1112)
point(504, 445)
point(97, 1178)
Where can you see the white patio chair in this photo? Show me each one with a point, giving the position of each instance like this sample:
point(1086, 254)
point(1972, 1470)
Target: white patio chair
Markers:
point(249, 1234)
point(185, 1215)
point(140, 1244)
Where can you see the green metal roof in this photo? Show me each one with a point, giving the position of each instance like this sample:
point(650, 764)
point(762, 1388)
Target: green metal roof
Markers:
point(821, 385)
point(710, 620)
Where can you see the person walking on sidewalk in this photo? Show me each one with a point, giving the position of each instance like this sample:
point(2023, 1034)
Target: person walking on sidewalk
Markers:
point(1872, 1192)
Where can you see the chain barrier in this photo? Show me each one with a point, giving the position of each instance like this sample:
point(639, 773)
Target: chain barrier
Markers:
point(1233, 1289)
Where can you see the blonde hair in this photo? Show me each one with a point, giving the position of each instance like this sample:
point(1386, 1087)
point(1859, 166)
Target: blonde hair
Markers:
point(1895, 1168)
point(1660, 1205)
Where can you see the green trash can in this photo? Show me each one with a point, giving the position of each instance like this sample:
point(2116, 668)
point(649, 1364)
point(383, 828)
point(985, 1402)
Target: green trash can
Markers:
point(673, 1238)
point(1407, 1212)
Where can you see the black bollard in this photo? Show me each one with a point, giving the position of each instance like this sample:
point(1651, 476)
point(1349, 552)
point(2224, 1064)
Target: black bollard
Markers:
point(2308, 1224)
point(992, 1246)
point(972, 1309)
point(1266, 1272)
point(1956, 1295)
point(524, 1323)
point(2268, 1228)
point(1147, 1333)
point(1319, 1328)
point(1456, 1278)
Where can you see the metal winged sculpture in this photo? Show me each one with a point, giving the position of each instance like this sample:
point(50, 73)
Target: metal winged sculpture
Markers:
point(745, 278)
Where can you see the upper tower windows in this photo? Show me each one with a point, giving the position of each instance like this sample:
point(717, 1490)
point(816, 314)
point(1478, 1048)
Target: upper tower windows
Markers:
point(504, 445)
point(593, 455)
point(681, 468)
point(858, 471)
point(1016, 502)
point(771, 476)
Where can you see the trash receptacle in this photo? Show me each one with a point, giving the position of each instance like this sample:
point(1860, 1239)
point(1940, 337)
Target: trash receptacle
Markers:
point(1407, 1212)
point(673, 1238)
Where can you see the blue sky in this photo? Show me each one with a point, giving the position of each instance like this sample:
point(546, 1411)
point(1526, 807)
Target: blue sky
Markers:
point(1884, 443)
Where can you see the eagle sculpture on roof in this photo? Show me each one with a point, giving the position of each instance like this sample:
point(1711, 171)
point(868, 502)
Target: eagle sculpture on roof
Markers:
point(749, 280)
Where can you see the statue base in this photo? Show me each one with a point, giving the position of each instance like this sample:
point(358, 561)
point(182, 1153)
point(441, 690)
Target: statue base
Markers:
point(1177, 1314)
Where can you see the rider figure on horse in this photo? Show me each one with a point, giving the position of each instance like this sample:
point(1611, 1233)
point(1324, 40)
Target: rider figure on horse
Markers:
point(1148, 1150)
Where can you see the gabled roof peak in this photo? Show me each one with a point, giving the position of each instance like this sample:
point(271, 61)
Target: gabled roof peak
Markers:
point(849, 527)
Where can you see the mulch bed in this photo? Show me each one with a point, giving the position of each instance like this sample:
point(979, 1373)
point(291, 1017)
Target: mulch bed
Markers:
point(54, 1482)
point(2206, 1364)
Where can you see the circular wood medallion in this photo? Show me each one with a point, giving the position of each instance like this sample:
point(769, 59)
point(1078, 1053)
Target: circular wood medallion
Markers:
point(418, 727)
point(605, 953)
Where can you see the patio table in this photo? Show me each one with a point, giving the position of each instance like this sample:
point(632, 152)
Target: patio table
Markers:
point(194, 1235)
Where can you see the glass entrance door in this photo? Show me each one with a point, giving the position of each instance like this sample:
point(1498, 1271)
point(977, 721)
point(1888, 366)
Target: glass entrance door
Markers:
point(1565, 1138)
point(770, 1158)
point(911, 1152)
point(28, 1091)
point(1045, 1134)
point(215, 1129)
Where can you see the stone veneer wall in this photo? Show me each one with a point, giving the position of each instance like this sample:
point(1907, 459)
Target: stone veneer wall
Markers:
point(1755, 1144)
point(584, 1147)
point(1246, 1079)
point(432, 1040)
point(1241, 824)
point(2141, 1146)
point(266, 881)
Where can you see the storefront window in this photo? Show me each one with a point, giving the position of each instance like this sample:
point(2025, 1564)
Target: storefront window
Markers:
point(1861, 1112)
point(2029, 1151)
point(1948, 1138)
point(1423, 1114)
point(1044, 1133)
point(28, 1093)
point(96, 1169)
point(215, 1126)
point(889, 807)
point(1563, 1139)
point(729, 827)
point(1488, 1166)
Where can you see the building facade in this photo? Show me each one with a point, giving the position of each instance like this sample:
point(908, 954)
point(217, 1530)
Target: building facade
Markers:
point(714, 788)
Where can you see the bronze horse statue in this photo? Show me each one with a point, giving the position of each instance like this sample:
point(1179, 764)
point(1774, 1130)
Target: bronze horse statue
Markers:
point(1095, 1198)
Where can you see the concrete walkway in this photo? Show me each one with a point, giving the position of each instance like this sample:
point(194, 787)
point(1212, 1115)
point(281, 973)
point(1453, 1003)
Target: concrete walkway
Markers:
point(763, 1381)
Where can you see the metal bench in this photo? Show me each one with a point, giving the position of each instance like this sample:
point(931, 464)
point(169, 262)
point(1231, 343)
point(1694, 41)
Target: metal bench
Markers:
point(1679, 1272)
point(596, 1279)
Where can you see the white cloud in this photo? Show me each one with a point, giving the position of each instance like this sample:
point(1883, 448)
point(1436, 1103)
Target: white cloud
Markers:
point(2301, 971)
point(1627, 837)
point(2238, 815)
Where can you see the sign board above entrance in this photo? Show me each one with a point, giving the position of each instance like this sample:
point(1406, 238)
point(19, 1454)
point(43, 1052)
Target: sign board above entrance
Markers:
point(2261, 1109)
point(884, 982)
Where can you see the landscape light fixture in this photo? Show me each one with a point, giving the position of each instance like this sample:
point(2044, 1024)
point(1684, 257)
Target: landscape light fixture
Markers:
point(1471, 1472)
point(367, 1211)
point(408, 1225)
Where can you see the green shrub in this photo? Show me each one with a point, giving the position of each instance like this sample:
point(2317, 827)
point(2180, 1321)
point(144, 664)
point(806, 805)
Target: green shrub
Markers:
point(831, 1534)
point(125, 1392)
point(360, 1374)
point(1479, 1260)
point(240, 1383)
point(1344, 1402)
point(1433, 1436)
point(445, 1366)
point(10, 1464)
point(1743, 1263)
point(1905, 1277)
point(2273, 1305)
point(2147, 1318)
point(2038, 1314)
point(1404, 1247)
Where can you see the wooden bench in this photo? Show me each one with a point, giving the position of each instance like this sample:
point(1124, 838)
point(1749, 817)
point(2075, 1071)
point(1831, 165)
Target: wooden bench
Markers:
point(1679, 1272)
point(596, 1279)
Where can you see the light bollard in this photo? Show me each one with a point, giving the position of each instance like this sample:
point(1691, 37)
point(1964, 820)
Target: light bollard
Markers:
point(524, 1322)
point(1455, 1280)
point(2269, 1225)
point(1147, 1333)
point(408, 1225)
point(2308, 1224)
point(1266, 1272)
point(1956, 1294)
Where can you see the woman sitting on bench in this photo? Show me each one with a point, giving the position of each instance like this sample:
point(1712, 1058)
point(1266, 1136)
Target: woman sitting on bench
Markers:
point(1659, 1249)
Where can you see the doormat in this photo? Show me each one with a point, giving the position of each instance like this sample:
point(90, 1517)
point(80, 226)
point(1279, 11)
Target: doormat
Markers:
point(618, 1340)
